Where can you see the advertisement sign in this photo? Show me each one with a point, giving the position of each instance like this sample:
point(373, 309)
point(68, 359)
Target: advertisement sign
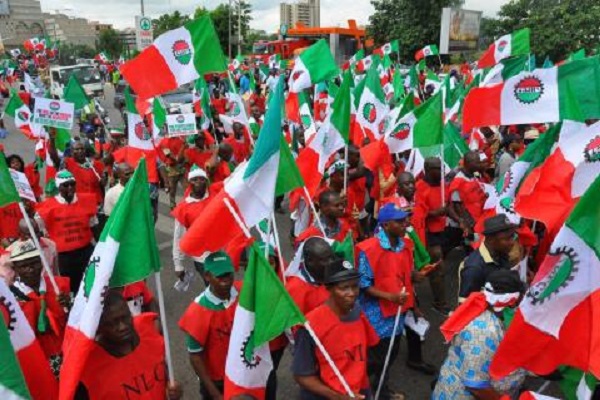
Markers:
point(181, 124)
point(460, 30)
point(58, 114)
point(143, 32)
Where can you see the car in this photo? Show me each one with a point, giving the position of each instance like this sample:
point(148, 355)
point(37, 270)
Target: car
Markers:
point(179, 100)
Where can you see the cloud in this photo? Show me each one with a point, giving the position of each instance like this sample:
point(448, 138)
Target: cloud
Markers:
point(121, 13)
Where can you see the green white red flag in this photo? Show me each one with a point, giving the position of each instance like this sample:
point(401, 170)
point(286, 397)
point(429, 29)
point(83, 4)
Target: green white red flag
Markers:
point(556, 323)
point(175, 58)
point(388, 48)
point(373, 107)
point(119, 258)
point(265, 310)
point(248, 195)
point(23, 117)
point(430, 50)
point(538, 96)
point(21, 351)
point(550, 192)
point(514, 44)
point(529, 395)
point(314, 65)
point(201, 103)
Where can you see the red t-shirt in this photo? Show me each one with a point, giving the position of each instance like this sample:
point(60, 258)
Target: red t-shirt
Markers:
point(241, 150)
point(132, 156)
point(195, 156)
point(9, 221)
point(220, 105)
point(172, 145)
point(88, 179)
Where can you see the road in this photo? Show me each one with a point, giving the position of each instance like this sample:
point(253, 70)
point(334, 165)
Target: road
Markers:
point(414, 384)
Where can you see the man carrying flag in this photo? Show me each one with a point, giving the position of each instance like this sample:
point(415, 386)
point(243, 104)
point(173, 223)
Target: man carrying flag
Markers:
point(344, 331)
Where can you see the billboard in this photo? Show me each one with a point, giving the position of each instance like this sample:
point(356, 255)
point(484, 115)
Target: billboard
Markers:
point(460, 30)
point(143, 32)
point(4, 7)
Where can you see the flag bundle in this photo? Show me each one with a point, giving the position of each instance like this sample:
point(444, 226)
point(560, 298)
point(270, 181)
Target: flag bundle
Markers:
point(315, 64)
point(514, 44)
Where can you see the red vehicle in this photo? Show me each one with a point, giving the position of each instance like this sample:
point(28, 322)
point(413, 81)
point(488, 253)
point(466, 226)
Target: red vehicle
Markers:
point(285, 48)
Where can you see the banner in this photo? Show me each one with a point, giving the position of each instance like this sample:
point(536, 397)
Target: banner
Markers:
point(459, 31)
point(22, 185)
point(181, 124)
point(55, 113)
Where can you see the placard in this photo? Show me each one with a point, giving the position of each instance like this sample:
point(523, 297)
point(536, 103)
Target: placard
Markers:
point(181, 124)
point(55, 113)
point(22, 185)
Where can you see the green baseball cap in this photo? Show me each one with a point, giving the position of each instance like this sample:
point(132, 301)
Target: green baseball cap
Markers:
point(218, 264)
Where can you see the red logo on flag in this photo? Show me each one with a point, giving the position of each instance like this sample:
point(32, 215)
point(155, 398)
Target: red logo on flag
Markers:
point(141, 132)
point(7, 311)
point(529, 90)
point(592, 150)
point(562, 265)
point(502, 45)
point(402, 131)
point(182, 52)
point(370, 112)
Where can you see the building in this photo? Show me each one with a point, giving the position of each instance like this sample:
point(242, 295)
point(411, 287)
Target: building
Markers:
point(20, 20)
point(72, 30)
point(307, 12)
point(127, 36)
point(99, 26)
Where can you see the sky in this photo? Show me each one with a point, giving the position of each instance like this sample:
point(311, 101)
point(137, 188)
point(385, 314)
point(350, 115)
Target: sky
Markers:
point(121, 13)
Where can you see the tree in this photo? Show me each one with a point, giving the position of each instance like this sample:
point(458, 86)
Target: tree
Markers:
point(558, 27)
point(110, 42)
point(415, 23)
point(167, 22)
point(220, 18)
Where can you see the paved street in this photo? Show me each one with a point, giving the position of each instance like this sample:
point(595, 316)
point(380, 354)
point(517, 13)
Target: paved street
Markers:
point(415, 385)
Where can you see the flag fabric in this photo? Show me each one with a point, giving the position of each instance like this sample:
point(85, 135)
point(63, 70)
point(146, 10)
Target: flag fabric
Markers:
point(556, 323)
point(372, 108)
point(23, 117)
point(359, 55)
point(119, 258)
point(236, 63)
point(576, 384)
point(506, 69)
point(364, 64)
point(314, 65)
point(422, 127)
point(535, 154)
point(175, 58)
point(331, 137)
point(550, 192)
point(75, 94)
point(536, 96)
point(248, 195)
point(388, 48)
point(201, 102)
point(12, 381)
point(514, 44)
point(529, 395)
point(8, 191)
point(306, 118)
point(265, 310)
point(23, 345)
point(288, 174)
point(102, 57)
point(431, 50)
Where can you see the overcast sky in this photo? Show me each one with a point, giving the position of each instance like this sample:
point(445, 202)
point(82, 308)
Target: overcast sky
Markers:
point(265, 15)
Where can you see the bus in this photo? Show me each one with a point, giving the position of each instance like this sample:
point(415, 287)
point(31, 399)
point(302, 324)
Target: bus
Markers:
point(87, 75)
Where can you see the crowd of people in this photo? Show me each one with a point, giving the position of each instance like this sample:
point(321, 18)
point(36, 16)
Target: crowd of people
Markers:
point(403, 224)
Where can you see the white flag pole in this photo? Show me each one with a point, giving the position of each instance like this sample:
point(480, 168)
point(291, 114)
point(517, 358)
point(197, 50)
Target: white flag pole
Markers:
point(268, 239)
point(331, 363)
point(314, 210)
point(346, 170)
point(443, 176)
point(163, 322)
point(39, 247)
point(278, 244)
point(389, 352)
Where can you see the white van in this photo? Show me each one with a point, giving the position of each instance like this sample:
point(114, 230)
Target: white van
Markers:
point(87, 75)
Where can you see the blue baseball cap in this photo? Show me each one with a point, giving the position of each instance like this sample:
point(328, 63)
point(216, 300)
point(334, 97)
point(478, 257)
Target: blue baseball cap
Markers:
point(391, 212)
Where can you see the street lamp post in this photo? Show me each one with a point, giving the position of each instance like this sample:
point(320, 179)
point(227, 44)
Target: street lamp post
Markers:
point(229, 39)
point(142, 4)
point(239, 35)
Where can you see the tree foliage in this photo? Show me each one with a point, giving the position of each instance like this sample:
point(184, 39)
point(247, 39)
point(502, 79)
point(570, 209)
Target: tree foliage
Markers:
point(558, 27)
point(167, 22)
point(220, 18)
point(69, 52)
point(110, 43)
point(416, 23)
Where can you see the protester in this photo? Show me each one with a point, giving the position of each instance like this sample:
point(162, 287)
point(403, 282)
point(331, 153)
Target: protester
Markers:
point(170, 152)
point(126, 348)
point(344, 331)
point(239, 142)
point(124, 173)
point(491, 255)
point(475, 331)
point(69, 217)
point(332, 210)
point(207, 323)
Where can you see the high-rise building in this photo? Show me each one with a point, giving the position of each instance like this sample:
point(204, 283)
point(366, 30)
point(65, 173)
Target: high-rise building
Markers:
point(20, 20)
point(70, 29)
point(307, 12)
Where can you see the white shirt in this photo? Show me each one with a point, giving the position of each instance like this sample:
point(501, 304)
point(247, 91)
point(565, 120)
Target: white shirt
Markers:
point(111, 197)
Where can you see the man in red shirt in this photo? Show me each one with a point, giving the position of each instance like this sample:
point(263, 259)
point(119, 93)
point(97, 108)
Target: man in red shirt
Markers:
point(171, 153)
point(89, 173)
point(239, 142)
point(198, 154)
point(258, 100)
point(218, 103)
point(429, 221)
point(69, 218)
point(332, 209)
point(219, 167)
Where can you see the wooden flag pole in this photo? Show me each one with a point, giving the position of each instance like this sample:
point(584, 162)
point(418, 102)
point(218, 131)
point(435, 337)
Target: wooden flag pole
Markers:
point(314, 210)
point(389, 352)
point(278, 244)
point(163, 322)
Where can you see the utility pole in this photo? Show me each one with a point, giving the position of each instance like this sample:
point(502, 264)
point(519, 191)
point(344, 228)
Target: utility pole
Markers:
point(142, 3)
point(229, 40)
point(239, 27)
